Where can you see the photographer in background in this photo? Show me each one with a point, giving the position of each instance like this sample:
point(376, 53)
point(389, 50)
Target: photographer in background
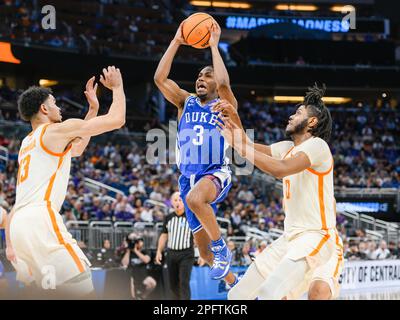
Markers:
point(136, 260)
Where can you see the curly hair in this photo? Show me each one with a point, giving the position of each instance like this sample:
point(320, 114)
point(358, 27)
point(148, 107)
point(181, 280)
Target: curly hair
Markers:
point(316, 108)
point(30, 100)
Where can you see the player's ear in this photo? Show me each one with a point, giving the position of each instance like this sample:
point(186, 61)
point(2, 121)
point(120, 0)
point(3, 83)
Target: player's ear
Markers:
point(44, 109)
point(312, 122)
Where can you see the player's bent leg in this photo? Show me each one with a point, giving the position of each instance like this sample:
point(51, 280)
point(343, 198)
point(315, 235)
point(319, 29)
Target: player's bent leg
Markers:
point(202, 241)
point(204, 192)
point(320, 290)
point(198, 200)
point(287, 275)
point(248, 287)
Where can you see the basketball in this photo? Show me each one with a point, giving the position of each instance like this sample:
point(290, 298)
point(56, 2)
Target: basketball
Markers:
point(195, 30)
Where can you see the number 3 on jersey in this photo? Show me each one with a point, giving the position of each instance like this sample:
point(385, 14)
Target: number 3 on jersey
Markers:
point(198, 141)
point(23, 170)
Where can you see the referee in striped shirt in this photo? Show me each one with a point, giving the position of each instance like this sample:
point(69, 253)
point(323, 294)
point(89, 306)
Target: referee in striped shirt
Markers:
point(178, 237)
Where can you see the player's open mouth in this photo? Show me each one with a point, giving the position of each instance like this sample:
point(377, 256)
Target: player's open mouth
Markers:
point(201, 86)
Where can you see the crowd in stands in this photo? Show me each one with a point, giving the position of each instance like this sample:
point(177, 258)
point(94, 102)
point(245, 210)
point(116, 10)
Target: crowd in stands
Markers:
point(105, 27)
point(124, 28)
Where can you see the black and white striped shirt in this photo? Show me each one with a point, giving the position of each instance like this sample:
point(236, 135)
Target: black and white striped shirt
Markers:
point(179, 234)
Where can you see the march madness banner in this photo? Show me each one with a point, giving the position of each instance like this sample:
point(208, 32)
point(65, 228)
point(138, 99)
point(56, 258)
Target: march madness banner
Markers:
point(370, 274)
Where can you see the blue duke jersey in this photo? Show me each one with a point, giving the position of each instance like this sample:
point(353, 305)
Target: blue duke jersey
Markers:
point(200, 146)
point(201, 152)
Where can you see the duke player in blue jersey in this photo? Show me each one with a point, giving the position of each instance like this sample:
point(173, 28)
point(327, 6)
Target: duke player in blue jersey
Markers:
point(206, 177)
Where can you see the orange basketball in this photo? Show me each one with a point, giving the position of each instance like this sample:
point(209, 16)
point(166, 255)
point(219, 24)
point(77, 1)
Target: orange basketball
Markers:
point(195, 30)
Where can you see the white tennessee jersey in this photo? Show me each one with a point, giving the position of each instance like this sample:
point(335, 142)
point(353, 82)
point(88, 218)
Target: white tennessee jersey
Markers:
point(308, 196)
point(42, 175)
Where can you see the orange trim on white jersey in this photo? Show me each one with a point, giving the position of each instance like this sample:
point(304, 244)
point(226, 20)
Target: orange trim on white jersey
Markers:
point(60, 154)
point(288, 152)
point(340, 256)
point(320, 244)
point(56, 229)
point(321, 173)
point(321, 201)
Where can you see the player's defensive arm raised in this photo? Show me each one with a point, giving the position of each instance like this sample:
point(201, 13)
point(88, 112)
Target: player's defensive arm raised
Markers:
point(60, 134)
point(171, 91)
point(220, 73)
point(227, 111)
point(238, 139)
point(90, 93)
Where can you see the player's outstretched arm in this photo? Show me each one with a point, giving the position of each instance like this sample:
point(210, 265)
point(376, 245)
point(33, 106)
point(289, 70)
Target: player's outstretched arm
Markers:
point(171, 91)
point(58, 135)
point(90, 93)
point(220, 73)
point(227, 111)
point(238, 139)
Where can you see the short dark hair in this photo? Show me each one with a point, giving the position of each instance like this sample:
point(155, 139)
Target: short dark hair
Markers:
point(209, 66)
point(313, 102)
point(30, 100)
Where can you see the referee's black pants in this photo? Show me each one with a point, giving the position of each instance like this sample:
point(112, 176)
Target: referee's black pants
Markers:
point(180, 264)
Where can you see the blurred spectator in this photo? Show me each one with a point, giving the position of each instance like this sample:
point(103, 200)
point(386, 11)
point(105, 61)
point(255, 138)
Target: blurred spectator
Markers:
point(363, 249)
point(245, 194)
point(104, 257)
point(245, 258)
point(382, 252)
point(261, 246)
point(394, 253)
point(353, 253)
point(371, 250)
point(104, 213)
point(235, 254)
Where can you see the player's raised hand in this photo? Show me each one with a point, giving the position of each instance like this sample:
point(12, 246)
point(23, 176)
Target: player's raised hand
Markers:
point(179, 35)
point(215, 34)
point(234, 135)
point(90, 93)
point(111, 78)
point(225, 111)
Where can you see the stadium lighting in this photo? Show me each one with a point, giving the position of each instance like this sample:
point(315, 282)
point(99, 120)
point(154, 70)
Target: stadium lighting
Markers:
point(337, 8)
point(221, 4)
point(47, 83)
point(297, 99)
point(296, 7)
point(6, 54)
